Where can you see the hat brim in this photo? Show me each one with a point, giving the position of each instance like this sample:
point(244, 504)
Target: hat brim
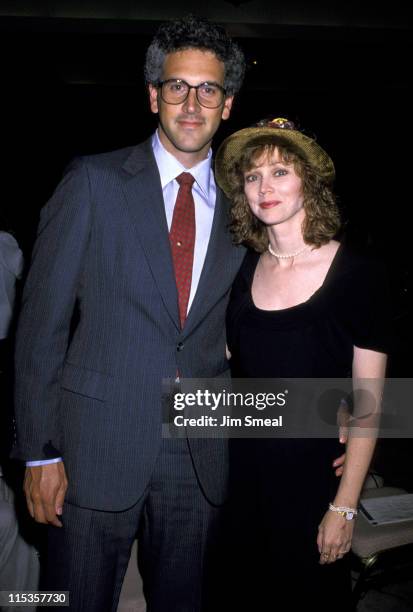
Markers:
point(230, 151)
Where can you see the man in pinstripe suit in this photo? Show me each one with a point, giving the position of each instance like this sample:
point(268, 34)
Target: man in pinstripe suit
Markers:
point(88, 399)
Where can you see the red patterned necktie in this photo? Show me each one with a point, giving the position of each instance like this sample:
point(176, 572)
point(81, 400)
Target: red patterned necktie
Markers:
point(182, 239)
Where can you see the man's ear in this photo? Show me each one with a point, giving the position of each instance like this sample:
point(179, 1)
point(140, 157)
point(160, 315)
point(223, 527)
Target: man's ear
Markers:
point(226, 111)
point(153, 98)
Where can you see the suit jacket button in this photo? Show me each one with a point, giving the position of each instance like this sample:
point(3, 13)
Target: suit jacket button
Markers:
point(180, 346)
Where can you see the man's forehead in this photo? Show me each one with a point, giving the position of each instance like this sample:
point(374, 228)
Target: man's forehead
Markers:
point(188, 61)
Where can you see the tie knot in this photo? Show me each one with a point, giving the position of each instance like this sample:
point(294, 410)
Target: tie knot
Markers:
point(185, 180)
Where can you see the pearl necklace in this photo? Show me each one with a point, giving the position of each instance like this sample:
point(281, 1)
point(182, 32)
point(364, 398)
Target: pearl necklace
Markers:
point(289, 255)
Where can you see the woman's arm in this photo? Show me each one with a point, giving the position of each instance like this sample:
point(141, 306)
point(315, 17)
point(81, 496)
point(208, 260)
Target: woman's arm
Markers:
point(335, 532)
point(368, 377)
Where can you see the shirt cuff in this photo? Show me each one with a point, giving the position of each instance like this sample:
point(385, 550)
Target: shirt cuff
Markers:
point(43, 462)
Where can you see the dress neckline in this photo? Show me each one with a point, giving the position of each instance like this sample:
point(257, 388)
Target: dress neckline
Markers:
point(308, 301)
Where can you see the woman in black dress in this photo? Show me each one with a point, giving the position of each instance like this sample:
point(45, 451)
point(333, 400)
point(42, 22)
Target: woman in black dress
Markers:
point(302, 306)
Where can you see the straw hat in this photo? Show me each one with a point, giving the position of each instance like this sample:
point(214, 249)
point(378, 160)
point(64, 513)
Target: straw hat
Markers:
point(231, 149)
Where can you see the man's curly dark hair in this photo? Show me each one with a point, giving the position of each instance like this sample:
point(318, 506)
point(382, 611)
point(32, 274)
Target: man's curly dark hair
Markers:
point(193, 32)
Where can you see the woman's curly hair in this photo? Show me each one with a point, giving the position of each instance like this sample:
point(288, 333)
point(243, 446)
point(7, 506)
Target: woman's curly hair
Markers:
point(322, 219)
point(193, 32)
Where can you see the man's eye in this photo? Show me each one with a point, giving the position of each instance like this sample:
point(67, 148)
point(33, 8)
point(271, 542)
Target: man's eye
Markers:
point(176, 87)
point(208, 90)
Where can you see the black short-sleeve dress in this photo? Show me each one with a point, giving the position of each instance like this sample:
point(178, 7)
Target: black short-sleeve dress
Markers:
point(282, 487)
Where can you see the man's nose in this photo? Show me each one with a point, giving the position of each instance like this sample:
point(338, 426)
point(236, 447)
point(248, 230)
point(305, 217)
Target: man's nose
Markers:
point(191, 104)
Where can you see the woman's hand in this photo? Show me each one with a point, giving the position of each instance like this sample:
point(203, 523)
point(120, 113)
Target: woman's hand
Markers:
point(334, 537)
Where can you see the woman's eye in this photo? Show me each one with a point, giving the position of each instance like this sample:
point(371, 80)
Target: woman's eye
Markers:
point(250, 178)
point(280, 172)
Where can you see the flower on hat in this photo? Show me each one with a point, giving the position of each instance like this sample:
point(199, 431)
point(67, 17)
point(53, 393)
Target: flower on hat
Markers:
point(278, 123)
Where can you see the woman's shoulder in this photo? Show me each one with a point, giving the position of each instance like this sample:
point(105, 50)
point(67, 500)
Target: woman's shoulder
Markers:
point(358, 263)
point(369, 299)
point(355, 278)
point(359, 279)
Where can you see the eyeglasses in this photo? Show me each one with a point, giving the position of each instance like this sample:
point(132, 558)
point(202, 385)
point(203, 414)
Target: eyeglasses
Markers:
point(176, 91)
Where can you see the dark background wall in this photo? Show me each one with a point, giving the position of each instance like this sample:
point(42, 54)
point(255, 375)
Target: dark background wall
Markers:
point(72, 84)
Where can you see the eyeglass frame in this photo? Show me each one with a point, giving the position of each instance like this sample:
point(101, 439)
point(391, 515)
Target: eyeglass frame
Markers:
point(160, 84)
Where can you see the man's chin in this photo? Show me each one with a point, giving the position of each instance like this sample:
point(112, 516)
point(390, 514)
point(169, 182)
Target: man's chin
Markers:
point(192, 149)
point(184, 144)
point(191, 146)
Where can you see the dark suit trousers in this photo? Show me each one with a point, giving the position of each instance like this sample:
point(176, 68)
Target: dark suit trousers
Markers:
point(178, 543)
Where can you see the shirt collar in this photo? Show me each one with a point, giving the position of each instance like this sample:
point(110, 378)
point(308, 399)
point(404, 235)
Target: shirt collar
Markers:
point(169, 167)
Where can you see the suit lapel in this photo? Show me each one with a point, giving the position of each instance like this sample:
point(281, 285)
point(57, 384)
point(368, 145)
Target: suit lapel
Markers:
point(221, 264)
point(143, 192)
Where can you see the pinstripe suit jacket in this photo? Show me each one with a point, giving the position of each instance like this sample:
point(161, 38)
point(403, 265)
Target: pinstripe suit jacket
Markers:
point(88, 384)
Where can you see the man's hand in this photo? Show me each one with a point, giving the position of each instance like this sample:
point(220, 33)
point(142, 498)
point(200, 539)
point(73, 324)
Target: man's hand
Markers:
point(339, 465)
point(343, 418)
point(45, 489)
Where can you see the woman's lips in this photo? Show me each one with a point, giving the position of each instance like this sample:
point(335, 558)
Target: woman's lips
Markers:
point(269, 204)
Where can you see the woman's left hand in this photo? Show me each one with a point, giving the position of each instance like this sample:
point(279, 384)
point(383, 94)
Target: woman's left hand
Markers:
point(334, 537)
